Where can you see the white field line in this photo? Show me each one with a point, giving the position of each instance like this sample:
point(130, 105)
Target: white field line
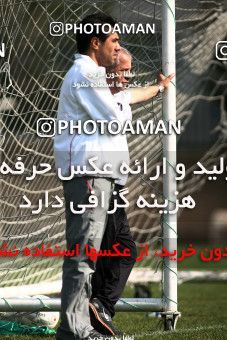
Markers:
point(138, 275)
point(183, 331)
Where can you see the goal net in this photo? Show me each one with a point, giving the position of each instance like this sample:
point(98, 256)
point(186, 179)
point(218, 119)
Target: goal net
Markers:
point(31, 73)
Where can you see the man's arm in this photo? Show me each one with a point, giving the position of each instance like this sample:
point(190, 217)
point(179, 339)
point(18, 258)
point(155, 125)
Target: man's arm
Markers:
point(143, 94)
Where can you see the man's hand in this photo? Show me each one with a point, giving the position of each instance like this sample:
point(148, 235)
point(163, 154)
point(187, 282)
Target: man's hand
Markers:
point(165, 81)
point(142, 94)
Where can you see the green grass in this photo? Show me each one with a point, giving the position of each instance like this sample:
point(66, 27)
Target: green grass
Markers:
point(204, 316)
point(194, 262)
point(203, 307)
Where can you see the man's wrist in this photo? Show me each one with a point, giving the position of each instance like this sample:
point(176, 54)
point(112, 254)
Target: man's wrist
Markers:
point(161, 88)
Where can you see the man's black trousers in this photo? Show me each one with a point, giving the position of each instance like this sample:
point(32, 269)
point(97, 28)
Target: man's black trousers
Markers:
point(111, 273)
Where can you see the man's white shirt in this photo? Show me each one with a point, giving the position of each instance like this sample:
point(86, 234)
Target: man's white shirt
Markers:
point(90, 103)
point(123, 99)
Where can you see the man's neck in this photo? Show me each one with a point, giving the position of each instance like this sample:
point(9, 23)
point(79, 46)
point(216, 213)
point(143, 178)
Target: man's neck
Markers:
point(114, 90)
point(92, 55)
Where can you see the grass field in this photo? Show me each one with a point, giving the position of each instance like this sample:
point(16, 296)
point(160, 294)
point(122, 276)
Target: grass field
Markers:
point(203, 306)
point(204, 316)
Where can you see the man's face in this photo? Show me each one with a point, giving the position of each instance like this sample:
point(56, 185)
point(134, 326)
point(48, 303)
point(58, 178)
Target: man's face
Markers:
point(122, 71)
point(109, 50)
point(118, 77)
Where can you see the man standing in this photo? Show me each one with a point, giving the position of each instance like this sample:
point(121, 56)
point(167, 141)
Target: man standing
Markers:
point(112, 273)
point(97, 50)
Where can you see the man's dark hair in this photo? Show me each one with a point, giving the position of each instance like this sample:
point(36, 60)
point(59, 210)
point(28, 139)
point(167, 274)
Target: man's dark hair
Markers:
point(83, 39)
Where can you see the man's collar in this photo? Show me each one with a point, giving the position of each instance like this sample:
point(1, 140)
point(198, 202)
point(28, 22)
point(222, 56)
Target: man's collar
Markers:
point(85, 57)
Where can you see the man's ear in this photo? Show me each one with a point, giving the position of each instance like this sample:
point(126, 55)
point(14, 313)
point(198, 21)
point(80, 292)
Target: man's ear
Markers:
point(95, 42)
